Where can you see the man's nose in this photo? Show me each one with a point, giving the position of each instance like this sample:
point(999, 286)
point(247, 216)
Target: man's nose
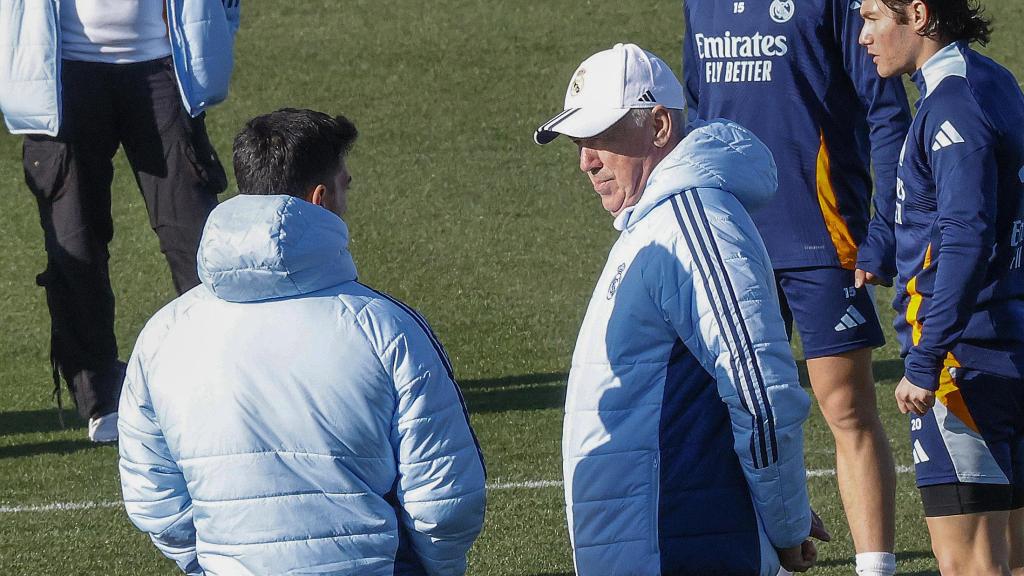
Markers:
point(589, 161)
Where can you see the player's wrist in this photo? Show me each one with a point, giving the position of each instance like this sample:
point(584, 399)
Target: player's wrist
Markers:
point(922, 372)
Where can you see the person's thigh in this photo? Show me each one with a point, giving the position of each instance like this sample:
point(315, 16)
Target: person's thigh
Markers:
point(970, 543)
point(1015, 536)
point(70, 174)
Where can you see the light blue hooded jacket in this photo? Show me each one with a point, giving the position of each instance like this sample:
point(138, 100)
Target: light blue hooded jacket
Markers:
point(202, 34)
point(282, 418)
point(682, 442)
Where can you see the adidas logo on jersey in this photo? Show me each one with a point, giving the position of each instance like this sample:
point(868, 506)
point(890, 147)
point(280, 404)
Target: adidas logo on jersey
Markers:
point(855, 5)
point(946, 136)
point(851, 319)
point(919, 454)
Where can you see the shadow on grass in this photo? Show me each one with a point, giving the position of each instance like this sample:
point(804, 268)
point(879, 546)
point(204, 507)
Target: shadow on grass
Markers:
point(39, 448)
point(900, 557)
point(29, 421)
point(522, 380)
point(888, 369)
point(539, 391)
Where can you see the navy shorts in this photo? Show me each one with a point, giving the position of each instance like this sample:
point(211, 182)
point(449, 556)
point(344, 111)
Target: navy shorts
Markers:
point(832, 316)
point(969, 448)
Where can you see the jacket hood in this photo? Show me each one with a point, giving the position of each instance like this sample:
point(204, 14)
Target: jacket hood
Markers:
point(263, 247)
point(717, 154)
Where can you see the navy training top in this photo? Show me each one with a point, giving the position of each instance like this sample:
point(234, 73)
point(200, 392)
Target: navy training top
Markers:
point(959, 222)
point(793, 73)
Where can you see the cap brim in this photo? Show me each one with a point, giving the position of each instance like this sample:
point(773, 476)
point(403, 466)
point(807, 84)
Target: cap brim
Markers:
point(578, 123)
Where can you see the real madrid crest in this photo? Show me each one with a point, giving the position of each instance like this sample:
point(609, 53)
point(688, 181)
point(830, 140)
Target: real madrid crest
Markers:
point(614, 286)
point(782, 10)
point(577, 82)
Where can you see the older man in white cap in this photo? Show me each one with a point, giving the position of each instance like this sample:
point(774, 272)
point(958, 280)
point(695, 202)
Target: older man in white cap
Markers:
point(682, 444)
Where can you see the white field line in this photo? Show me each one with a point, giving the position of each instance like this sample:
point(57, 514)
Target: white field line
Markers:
point(527, 485)
point(59, 507)
point(832, 471)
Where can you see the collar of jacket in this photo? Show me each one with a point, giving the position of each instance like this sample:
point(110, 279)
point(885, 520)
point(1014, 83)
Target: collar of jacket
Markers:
point(264, 247)
point(717, 154)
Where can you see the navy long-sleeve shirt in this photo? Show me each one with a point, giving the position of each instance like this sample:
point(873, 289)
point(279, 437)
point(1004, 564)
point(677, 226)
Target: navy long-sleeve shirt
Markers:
point(793, 73)
point(959, 221)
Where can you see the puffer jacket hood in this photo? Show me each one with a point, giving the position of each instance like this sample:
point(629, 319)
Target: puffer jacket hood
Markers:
point(263, 247)
point(717, 154)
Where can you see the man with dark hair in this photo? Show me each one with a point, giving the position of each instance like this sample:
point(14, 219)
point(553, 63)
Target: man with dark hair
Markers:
point(291, 150)
point(959, 230)
point(282, 417)
point(791, 72)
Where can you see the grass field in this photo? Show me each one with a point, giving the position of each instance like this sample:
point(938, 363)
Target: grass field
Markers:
point(497, 241)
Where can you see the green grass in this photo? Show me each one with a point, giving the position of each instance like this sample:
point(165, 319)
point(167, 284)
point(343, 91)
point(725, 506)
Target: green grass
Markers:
point(454, 210)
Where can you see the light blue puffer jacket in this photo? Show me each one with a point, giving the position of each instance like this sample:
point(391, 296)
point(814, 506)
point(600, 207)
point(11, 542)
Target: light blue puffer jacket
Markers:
point(202, 34)
point(682, 443)
point(282, 418)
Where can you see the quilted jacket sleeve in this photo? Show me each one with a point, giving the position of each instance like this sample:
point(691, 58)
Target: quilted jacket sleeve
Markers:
point(441, 473)
point(155, 495)
point(725, 307)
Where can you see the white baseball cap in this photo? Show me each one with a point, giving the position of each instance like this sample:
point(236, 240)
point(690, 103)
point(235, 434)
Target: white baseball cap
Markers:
point(608, 85)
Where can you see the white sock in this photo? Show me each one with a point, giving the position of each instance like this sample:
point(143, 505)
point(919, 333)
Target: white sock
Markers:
point(876, 564)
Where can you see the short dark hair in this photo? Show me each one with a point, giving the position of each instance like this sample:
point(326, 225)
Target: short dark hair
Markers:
point(290, 151)
point(949, 20)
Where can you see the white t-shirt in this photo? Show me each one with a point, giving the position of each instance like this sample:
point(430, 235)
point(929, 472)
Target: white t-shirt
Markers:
point(113, 31)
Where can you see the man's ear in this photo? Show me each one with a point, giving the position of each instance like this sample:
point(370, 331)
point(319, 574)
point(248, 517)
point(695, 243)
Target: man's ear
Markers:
point(662, 121)
point(316, 195)
point(918, 14)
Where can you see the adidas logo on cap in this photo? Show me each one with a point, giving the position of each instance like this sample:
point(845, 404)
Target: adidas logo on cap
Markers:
point(606, 86)
point(946, 136)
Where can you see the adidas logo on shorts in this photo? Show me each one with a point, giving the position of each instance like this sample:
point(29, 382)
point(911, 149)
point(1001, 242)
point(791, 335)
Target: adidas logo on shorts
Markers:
point(919, 453)
point(946, 136)
point(851, 319)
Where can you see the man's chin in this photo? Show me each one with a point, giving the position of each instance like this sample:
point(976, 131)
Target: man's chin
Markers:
point(614, 205)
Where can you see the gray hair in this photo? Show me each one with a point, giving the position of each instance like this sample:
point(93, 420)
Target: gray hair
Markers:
point(640, 116)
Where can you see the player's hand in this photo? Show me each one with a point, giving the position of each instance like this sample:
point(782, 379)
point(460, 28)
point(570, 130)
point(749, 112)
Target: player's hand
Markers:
point(862, 277)
point(799, 558)
point(911, 398)
point(818, 529)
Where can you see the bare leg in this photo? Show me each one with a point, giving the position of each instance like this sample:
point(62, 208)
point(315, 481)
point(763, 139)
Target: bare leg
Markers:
point(1015, 535)
point(844, 386)
point(971, 544)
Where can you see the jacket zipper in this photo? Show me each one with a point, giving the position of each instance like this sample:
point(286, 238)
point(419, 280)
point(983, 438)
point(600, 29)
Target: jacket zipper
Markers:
point(655, 497)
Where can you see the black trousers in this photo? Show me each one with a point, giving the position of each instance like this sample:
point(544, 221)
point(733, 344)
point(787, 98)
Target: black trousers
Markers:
point(105, 106)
